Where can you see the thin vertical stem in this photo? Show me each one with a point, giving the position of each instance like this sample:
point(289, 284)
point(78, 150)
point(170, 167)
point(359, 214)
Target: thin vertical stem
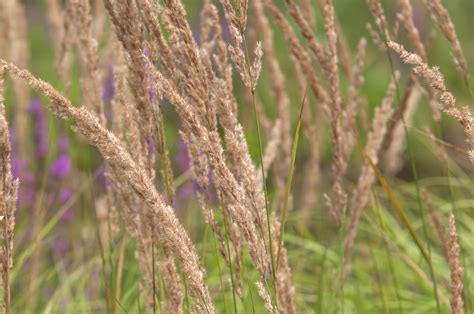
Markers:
point(290, 178)
point(219, 269)
point(260, 151)
point(230, 261)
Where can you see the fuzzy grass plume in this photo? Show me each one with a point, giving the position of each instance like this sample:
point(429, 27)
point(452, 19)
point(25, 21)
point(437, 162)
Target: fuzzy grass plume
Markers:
point(235, 156)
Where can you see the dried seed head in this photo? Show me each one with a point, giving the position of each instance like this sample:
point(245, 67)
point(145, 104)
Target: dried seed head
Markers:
point(455, 266)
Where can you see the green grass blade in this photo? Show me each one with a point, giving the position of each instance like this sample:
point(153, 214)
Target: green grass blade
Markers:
point(294, 149)
point(395, 204)
point(320, 301)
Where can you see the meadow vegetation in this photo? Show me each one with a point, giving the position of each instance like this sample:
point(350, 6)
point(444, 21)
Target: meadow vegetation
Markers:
point(235, 156)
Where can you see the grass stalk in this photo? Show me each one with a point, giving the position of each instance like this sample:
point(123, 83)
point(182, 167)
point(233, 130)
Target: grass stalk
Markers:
point(104, 272)
point(153, 279)
point(226, 235)
point(387, 251)
point(39, 213)
point(262, 168)
point(216, 253)
point(320, 301)
point(395, 204)
point(120, 267)
point(417, 186)
point(291, 170)
point(244, 273)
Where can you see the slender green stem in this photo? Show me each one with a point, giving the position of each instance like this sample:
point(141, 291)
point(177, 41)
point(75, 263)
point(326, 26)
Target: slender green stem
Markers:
point(204, 242)
point(153, 271)
point(320, 301)
point(186, 293)
point(290, 178)
point(387, 251)
point(378, 280)
point(216, 250)
point(230, 261)
point(104, 272)
point(417, 186)
point(395, 202)
point(422, 212)
point(6, 247)
point(468, 86)
point(467, 301)
point(138, 303)
point(244, 272)
point(260, 151)
point(119, 273)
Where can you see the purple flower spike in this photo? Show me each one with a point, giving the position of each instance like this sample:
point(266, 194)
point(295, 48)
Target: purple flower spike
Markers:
point(61, 167)
point(28, 178)
point(182, 157)
point(17, 164)
point(35, 107)
point(12, 137)
point(108, 90)
point(63, 144)
point(41, 128)
point(26, 195)
point(60, 246)
point(188, 190)
point(64, 196)
point(68, 215)
point(17, 167)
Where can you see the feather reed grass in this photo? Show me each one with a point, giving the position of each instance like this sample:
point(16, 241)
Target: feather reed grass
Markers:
point(434, 79)
point(8, 198)
point(169, 229)
point(455, 267)
point(147, 76)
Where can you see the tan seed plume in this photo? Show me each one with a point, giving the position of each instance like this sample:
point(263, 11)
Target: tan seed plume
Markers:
point(8, 198)
point(455, 267)
point(362, 192)
point(435, 80)
point(168, 227)
point(441, 16)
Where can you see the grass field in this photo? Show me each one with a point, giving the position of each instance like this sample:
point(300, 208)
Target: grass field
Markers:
point(217, 156)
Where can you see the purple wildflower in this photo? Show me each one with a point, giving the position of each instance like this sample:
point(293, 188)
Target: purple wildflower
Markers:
point(26, 192)
point(108, 88)
point(63, 144)
point(188, 190)
point(182, 157)
point(108, 92)
point(60, 246)
point(26, 195)
point(17, 167)
point(68, 215)
point(17, 164)
point(61, 167)
point(41, 129)
point(65, 195)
